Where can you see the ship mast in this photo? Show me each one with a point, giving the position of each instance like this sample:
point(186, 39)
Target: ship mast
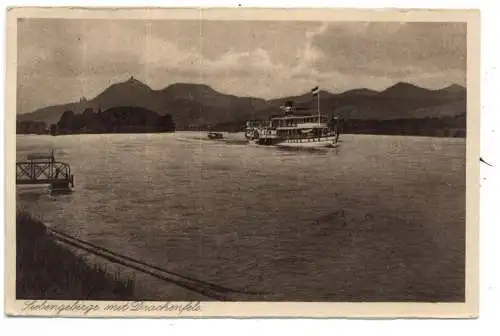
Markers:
point(319, 111)
point(315, 92)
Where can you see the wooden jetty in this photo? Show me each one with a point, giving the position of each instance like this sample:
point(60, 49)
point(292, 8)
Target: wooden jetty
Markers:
point(44, 169)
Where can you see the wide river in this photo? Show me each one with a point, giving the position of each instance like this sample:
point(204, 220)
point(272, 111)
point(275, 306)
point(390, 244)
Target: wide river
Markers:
point(379, 218)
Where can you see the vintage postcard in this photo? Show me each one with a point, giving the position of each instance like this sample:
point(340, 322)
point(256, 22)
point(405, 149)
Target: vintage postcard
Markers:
point(242, 162)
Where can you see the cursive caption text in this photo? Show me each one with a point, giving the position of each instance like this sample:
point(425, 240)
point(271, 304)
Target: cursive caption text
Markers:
point(81, 307)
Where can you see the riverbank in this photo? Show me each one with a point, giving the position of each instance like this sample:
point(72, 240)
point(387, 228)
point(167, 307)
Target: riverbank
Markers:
point(46, 269)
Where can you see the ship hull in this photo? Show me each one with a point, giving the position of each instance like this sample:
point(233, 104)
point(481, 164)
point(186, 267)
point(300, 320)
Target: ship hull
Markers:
point(323, 142)
point(265, 141)
point(309, 142)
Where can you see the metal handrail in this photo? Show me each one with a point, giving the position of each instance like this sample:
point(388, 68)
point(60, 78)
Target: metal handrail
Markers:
point(43, 171)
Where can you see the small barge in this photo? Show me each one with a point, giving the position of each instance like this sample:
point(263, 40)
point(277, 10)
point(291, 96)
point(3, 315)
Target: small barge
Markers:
point(215, 135)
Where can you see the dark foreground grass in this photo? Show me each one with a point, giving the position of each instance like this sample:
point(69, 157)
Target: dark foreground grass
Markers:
point(46, 269)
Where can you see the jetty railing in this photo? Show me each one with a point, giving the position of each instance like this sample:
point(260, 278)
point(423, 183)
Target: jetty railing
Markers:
point(44, 169)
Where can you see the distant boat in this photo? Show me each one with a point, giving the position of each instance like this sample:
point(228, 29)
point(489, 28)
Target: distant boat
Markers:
point(215, 135)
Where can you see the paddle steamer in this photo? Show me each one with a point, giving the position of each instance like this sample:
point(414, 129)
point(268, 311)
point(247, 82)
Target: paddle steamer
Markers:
point(293, 129)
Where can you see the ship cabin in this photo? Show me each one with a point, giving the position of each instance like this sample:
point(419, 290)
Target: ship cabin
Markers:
point(256, 123)
point(300, 126)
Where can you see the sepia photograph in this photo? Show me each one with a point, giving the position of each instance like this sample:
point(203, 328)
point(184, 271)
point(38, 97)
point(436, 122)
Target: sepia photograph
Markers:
point(218, 156)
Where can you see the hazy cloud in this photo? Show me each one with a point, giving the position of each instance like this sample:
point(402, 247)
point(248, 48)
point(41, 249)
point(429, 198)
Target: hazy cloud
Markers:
point(397, 49)
point(62, 60)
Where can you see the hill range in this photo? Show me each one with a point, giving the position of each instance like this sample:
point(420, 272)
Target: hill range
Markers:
point(198, 105)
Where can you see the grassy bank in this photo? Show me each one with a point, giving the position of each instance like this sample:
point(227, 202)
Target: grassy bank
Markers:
point(46, 269)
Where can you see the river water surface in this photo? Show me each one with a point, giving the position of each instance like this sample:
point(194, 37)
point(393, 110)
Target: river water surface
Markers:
point(379, 218)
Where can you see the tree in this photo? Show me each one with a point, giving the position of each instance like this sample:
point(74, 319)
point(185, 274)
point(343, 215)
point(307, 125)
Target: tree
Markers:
point(66, 122)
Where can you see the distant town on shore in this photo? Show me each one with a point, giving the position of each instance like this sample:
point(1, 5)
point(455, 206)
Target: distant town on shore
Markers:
point(133, 107)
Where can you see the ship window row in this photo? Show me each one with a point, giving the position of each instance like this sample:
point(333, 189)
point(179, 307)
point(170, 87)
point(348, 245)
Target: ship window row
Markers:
point(293, 122)
point(301, 134)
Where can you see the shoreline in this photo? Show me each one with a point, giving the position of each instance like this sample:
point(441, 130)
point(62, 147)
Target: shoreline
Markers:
point(45, 269)
point(225, 132)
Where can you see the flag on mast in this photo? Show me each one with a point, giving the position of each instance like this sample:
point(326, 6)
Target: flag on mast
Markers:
point(315, 91)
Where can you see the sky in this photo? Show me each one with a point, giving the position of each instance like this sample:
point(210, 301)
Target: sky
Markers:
point(62, 60)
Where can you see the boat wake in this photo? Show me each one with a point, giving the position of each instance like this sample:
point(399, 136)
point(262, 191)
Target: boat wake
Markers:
point(219, 141)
